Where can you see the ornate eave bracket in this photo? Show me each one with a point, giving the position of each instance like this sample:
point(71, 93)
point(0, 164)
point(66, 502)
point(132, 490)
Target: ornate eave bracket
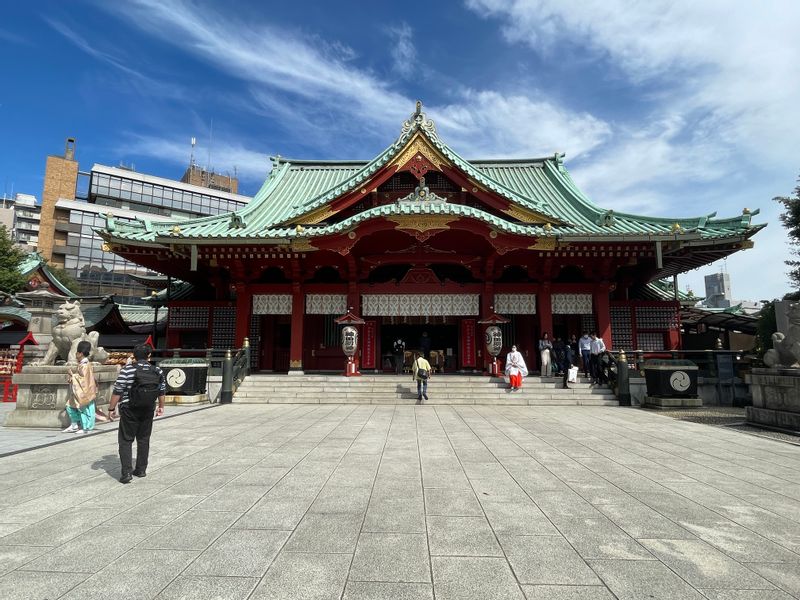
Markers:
point(422, 194)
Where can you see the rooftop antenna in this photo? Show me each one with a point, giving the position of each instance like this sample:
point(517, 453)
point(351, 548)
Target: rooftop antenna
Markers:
point(191, 154)
point(210, 142)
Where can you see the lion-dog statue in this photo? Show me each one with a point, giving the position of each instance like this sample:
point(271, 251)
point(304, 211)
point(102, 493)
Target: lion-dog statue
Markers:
point(786, 348)
point(68, 332)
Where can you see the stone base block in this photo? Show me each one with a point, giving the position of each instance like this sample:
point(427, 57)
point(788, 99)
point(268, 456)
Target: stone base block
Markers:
point(184, 400)
point(658, 402)
point(779, 419)
point(42, 394)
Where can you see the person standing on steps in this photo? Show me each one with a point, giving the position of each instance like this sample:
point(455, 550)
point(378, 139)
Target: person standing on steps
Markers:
point(598, 348)
point(585, 347)
point(421, 372)
point(399, 352)
point(140, 384)
point(515, 369)
point(425, 345)
point(569, 360)
point(545, 345)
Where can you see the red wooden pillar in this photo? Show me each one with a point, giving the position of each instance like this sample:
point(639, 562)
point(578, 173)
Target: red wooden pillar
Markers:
point(296, 345)
point(602, 312)
point(545, 308)
point(244, 310)
point(487, 309)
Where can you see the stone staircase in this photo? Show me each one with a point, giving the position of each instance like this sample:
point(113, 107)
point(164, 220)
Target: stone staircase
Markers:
point(394, 389)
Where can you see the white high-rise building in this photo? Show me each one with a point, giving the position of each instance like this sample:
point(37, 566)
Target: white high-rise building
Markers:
point(21, 215)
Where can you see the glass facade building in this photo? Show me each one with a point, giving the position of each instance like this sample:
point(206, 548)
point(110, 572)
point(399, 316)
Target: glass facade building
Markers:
point(128, 195)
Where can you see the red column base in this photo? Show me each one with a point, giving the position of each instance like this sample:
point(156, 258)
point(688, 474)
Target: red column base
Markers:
point(494, 368)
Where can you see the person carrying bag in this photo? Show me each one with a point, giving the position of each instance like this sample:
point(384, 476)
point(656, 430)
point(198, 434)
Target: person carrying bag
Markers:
point(421, 370)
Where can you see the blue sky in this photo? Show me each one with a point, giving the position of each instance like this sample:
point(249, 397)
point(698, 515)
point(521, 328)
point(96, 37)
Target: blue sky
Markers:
point(663, 108)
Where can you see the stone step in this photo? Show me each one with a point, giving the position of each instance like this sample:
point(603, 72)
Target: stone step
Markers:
point(553, 401)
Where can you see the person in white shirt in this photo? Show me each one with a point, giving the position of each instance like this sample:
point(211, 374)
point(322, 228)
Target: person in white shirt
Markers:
point(598, 346)
point(545, 345)
point(515, 369)
point(585, 350)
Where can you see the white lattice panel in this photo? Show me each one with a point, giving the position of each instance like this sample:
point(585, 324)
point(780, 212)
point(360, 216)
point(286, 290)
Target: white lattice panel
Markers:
point(515, 304)
point(272, 304)
point(572, 304)
point(326, 304)
point(414, 305)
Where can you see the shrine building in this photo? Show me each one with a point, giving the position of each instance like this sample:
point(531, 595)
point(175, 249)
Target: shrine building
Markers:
point(420, 240)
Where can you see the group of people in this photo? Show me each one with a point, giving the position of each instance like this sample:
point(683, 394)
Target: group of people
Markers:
point(559, 357)
point(138, 394)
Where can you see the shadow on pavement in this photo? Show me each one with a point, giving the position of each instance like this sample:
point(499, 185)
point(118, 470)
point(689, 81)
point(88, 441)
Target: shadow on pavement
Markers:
point(109, 463)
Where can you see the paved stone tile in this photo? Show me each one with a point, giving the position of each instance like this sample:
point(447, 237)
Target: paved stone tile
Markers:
point(57, 529)
point(638, 579)
point(337, 499)
point(452, 502)
point(13, 557)
point(467, 578)
point(640, 521)
point(785, 576)
point(216, 588)
point(517, 518)
point(703, 566)
point(140, 573)
point(326, 533)
point(308, 576)
point(461, 536)
point(193, 530)
point(746, 595)
point(391, 557)
point(32, 585)
point(232, 498)
point(240, 553)
point(99, 547)
point(161, 509)
point(269, 513)
point(566, 592)
point(741, 543)
point(546, 560)
point(395, 516)
point(600, 538)
point(369, 590)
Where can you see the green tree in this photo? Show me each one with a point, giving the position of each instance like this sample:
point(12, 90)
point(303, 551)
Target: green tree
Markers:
point(766, 326)
point(791, 221)
point(64, 278)
point(11, 280)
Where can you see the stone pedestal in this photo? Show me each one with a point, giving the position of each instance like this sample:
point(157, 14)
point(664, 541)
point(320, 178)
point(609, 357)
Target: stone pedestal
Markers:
point(776, 398)
point(183, 400)
point(659, 402)
point(43, 391)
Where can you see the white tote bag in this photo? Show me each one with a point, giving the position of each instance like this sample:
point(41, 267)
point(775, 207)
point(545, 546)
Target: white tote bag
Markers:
point(572, 376)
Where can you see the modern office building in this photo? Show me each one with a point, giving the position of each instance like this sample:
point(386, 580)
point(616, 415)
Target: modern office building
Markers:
point(69, 218)
point(21, 217)
point(718, 290)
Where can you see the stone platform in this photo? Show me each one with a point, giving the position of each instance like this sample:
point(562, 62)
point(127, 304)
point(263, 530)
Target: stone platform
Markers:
point(43, 391)
point(776, 398)
point(659, 402)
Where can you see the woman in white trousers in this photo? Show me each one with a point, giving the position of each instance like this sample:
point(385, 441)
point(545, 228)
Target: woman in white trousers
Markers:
point(545, 345)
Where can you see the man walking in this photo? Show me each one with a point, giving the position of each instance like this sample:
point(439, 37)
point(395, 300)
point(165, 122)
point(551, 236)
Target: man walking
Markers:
point(421, 370)
point(139, 385)
point(598, 347)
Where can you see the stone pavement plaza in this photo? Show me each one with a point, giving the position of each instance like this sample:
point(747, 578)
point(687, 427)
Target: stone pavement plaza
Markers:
point(403, 502)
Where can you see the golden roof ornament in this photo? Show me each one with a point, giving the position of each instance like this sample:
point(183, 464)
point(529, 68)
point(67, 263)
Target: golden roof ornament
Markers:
point(548, 229)
point(176, 230)
point(417, 121)
point(676, 228)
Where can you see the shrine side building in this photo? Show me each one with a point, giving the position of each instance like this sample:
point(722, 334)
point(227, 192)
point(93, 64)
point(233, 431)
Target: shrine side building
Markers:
point(419, 239)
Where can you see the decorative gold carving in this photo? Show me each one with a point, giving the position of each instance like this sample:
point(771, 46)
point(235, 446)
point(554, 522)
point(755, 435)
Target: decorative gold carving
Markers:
point(544, 243)
point(318, 215)
point(302, 245)
point(524, 215)
point(422, 222)
point(295, 364)
point(352, 235)
point(420, 145)
point(492, 234)
point(747, 244)
point(106, 247)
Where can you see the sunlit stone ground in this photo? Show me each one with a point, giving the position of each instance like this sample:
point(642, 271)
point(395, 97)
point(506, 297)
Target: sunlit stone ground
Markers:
point(373, 502)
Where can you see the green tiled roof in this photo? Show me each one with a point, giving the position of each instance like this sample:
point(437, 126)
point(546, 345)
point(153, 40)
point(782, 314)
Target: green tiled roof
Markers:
point(296, 188)
point(33, 261)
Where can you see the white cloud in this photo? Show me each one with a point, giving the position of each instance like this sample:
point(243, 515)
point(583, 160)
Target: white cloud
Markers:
point(404, 53)
point(250, 165)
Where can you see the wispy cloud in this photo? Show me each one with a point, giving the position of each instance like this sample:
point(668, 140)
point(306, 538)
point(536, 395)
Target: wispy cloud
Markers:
point(250, 165)
point(138, 80)
point(13, 38)
point(404, 53)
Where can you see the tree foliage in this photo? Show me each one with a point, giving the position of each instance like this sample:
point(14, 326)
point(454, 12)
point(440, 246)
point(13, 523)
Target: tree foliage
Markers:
point(767, 325)
point(791, 221)
point(67, 280)
point(11, 280)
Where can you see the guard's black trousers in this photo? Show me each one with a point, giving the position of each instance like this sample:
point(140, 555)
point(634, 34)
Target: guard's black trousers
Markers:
point(134, 424)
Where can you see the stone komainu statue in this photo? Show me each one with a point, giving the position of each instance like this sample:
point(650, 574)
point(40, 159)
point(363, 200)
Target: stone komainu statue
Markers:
point(67, 333)
point(786, 348)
